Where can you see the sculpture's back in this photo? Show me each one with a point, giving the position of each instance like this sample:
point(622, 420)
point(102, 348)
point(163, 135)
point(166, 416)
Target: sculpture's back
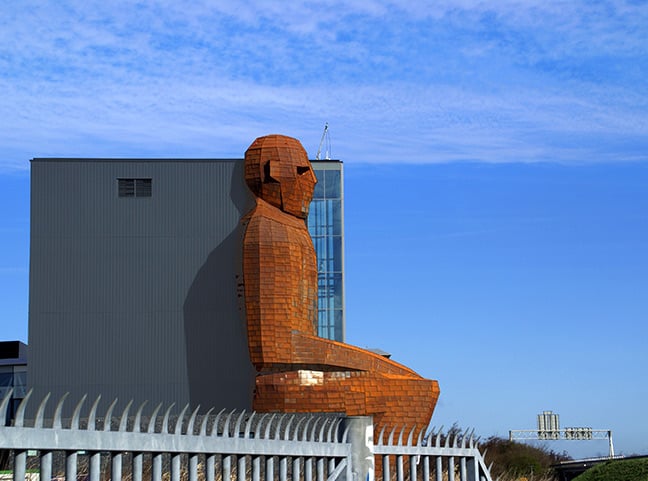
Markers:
point(298, 371)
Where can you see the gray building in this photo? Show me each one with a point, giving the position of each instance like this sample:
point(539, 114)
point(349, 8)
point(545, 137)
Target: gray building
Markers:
point(135, 278)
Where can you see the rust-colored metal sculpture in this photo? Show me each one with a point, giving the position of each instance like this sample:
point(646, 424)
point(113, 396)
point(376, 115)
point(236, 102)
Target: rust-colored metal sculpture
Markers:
point(298, 371)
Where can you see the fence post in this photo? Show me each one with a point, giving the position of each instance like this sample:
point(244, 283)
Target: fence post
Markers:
point(360, 435)
point(20, 465)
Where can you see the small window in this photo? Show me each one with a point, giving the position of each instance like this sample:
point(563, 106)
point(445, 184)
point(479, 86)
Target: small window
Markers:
point(135, 187)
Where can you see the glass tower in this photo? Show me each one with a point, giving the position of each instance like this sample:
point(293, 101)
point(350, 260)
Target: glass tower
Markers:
point(326, 227)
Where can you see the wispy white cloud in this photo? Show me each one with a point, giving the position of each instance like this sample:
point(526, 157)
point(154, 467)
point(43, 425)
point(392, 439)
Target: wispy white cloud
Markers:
point(399, 81)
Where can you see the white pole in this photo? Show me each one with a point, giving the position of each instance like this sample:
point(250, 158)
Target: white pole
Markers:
point(611, 444)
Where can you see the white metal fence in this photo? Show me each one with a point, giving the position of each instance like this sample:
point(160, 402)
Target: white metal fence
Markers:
point(436, 455)
point(231, 446)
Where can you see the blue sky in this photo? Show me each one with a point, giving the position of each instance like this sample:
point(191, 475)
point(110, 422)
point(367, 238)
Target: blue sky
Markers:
point(496, 161)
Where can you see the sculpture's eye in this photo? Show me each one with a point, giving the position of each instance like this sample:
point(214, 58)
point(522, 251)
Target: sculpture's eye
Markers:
point(302, 170)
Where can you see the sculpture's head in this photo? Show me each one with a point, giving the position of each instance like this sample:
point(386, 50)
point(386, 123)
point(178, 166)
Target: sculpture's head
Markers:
point(277, 170)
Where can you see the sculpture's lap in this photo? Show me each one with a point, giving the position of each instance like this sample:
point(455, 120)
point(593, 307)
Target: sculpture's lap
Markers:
point(393, 401)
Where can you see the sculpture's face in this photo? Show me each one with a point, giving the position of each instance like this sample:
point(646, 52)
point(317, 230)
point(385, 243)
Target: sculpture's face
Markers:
point(277, 170)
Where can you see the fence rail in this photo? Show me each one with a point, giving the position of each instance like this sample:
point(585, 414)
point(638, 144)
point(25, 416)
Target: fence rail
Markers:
point(450, 456)
point(224, 446)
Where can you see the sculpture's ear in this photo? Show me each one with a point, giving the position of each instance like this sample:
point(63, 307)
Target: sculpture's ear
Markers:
point(271, 172)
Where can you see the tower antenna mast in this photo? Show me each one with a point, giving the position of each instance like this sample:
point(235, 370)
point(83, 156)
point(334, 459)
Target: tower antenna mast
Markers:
point(326, 142)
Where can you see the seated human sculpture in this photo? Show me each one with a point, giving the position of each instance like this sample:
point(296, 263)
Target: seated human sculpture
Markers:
point(297, 370)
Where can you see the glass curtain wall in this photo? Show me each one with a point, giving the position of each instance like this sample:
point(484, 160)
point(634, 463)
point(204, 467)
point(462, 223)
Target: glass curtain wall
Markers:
point(326, 227)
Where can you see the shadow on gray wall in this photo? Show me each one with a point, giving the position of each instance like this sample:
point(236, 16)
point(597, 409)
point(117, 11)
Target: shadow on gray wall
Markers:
point(218, 361)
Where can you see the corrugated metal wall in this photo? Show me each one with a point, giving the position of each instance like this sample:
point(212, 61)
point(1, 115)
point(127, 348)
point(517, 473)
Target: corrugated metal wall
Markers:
point(137, 297)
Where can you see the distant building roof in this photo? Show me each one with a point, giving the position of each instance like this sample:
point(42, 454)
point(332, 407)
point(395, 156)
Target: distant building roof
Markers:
point(13, 352)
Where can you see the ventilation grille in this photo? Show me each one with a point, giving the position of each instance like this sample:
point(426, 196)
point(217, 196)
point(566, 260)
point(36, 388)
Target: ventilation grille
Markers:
point(135, 187)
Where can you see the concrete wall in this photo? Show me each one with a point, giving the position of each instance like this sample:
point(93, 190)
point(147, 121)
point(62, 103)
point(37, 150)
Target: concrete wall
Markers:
point(137, 298)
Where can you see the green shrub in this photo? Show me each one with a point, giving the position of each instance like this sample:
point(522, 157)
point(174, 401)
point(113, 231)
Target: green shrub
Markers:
point(617, 470)
point(513, 460)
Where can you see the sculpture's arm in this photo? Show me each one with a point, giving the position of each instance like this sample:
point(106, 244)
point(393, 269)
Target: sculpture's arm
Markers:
point(336, 356)
point(280, 277)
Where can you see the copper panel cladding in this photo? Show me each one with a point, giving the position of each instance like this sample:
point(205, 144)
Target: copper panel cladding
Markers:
point(298, 371)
